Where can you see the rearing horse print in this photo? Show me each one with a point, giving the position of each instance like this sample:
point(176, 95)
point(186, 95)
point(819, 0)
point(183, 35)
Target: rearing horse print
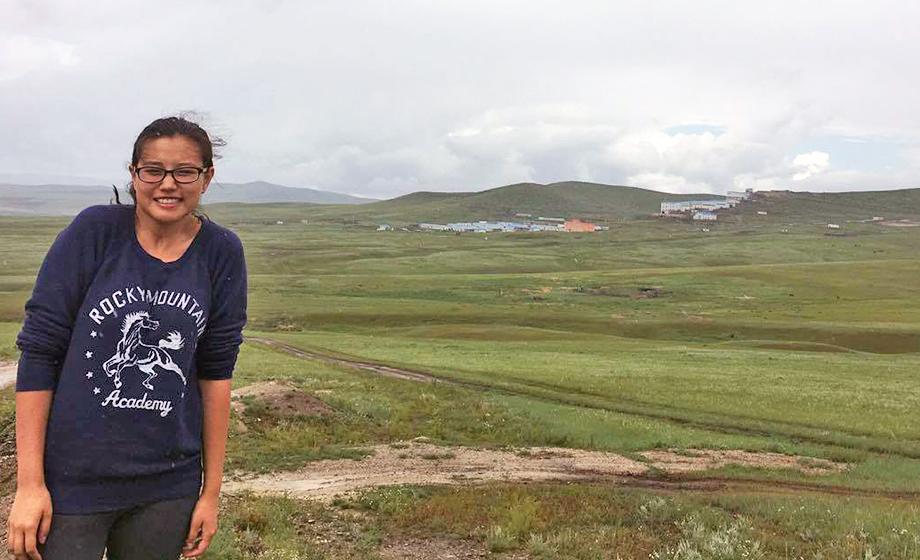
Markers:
point(131, 350)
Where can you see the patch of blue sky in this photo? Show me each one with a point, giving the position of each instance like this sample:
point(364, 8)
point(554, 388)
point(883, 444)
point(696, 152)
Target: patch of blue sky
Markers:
point(856, 153)
point(695, 128)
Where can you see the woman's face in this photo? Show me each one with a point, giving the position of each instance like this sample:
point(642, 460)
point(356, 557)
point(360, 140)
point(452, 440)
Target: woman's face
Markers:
point(168, 201)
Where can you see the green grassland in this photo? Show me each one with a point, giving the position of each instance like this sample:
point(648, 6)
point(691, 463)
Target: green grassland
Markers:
point(762, 334)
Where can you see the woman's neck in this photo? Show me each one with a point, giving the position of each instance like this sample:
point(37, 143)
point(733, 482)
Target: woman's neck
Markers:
point(165, 240)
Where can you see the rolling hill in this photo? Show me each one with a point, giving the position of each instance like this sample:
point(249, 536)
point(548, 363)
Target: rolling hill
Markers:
point(568, 199)
point(820, 208)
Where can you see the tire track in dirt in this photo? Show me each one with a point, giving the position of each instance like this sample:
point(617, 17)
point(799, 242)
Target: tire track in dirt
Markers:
point(538, 391)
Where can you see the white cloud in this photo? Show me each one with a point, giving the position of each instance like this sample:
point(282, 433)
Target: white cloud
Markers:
point(810, 164)
point(668, 183)
point(383, 98)
point(21, 54)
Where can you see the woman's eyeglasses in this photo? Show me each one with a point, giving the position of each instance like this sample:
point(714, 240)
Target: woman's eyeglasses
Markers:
point(182, 175)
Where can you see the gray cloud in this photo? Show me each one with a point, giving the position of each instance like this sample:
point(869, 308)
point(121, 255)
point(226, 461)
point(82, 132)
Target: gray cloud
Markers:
point(380, 99)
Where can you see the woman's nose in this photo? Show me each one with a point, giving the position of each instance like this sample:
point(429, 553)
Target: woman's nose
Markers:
point(169, 182)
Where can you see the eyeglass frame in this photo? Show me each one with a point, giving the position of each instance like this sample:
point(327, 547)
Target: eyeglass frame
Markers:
point(200, 170)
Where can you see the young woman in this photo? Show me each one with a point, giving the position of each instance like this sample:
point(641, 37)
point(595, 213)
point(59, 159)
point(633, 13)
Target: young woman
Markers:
point(123, 388)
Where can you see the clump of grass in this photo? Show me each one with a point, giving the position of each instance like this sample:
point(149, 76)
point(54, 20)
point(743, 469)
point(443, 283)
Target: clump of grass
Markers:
point(659, 511)
point(255, 528)
point(499, 540)
point(570, 543)
point(522, 516)
point(700, 541)
point(387, 500)
point(540, 546)
point(438, 456)
point(519, 518)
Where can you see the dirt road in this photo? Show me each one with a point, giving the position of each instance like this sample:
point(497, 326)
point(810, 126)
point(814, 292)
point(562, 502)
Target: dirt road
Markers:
point(420, 462)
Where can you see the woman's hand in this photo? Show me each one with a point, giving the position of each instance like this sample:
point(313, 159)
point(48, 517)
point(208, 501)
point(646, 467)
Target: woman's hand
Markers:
point(29, 522)
point(203, 526)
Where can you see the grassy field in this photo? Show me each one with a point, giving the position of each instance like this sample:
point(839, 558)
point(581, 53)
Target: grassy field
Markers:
point(766, 336)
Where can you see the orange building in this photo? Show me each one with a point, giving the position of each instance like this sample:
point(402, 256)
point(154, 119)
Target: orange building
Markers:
point(577, 225)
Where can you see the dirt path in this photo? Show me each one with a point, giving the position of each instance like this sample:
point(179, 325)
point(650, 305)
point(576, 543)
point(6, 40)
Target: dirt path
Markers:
point(7, 374)
point(386, 371)
point(420, 462)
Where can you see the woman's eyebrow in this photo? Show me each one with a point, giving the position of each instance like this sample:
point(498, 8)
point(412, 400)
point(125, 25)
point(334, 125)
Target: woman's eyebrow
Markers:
point(160, 163)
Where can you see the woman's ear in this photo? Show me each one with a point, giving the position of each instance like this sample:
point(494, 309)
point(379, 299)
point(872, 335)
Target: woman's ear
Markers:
point(208, 175)
point(131, 173)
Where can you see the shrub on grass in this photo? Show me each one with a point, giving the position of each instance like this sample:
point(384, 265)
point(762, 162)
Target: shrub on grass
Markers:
point(726, 541)
point(499, 540)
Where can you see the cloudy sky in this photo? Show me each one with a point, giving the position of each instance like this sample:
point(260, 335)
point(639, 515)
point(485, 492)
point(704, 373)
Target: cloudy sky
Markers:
point(381, 98)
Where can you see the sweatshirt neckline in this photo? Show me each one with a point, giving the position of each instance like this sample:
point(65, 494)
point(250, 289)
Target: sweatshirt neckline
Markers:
point(171, 264)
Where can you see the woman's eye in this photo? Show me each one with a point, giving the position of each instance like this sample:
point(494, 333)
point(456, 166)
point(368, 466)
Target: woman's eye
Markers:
point(186, 173)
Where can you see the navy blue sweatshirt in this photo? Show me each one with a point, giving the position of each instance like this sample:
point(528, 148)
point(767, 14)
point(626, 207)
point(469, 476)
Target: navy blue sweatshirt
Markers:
point(122, 339)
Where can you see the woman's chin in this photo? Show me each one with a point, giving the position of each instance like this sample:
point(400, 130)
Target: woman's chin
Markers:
point(167, 213)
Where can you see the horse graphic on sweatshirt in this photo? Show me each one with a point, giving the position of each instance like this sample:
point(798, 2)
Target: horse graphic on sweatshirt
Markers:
point(133, 352)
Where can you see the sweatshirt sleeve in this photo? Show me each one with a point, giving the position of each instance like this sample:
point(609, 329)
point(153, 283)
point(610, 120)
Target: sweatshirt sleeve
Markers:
point(219, 345)
point(56, 298)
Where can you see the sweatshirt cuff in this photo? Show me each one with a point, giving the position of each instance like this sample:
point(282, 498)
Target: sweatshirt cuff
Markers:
point(216, 369)
point(36, 373)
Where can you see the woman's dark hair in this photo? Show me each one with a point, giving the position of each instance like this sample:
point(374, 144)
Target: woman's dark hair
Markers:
point(167, 127)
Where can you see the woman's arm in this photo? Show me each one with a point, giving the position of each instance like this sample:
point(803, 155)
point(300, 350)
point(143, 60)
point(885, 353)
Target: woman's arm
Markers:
point(30, 516)
point(215, 400)
point(216, 356)
point(46, 331)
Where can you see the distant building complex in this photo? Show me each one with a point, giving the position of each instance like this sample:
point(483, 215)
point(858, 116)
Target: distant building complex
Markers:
point(483, 226)
point(704, 210)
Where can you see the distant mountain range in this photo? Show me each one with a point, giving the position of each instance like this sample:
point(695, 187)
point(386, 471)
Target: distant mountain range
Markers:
point(54, 200)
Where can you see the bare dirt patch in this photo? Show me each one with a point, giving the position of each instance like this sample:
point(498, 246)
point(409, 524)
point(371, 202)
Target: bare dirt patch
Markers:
point(425, 549)
point(280, 400)
point(679, 462)
point(6, 502)
point(7, 373)
point(420, 462)
point(641, 292)
point(801, 347)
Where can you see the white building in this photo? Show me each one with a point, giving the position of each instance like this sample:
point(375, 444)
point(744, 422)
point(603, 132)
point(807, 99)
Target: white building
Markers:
point(743, 195)
point(673, 207)
point(705, 216)
point(434, 227)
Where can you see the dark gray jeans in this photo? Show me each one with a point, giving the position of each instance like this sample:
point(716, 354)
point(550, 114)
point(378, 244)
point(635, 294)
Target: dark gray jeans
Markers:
point(154, 531)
